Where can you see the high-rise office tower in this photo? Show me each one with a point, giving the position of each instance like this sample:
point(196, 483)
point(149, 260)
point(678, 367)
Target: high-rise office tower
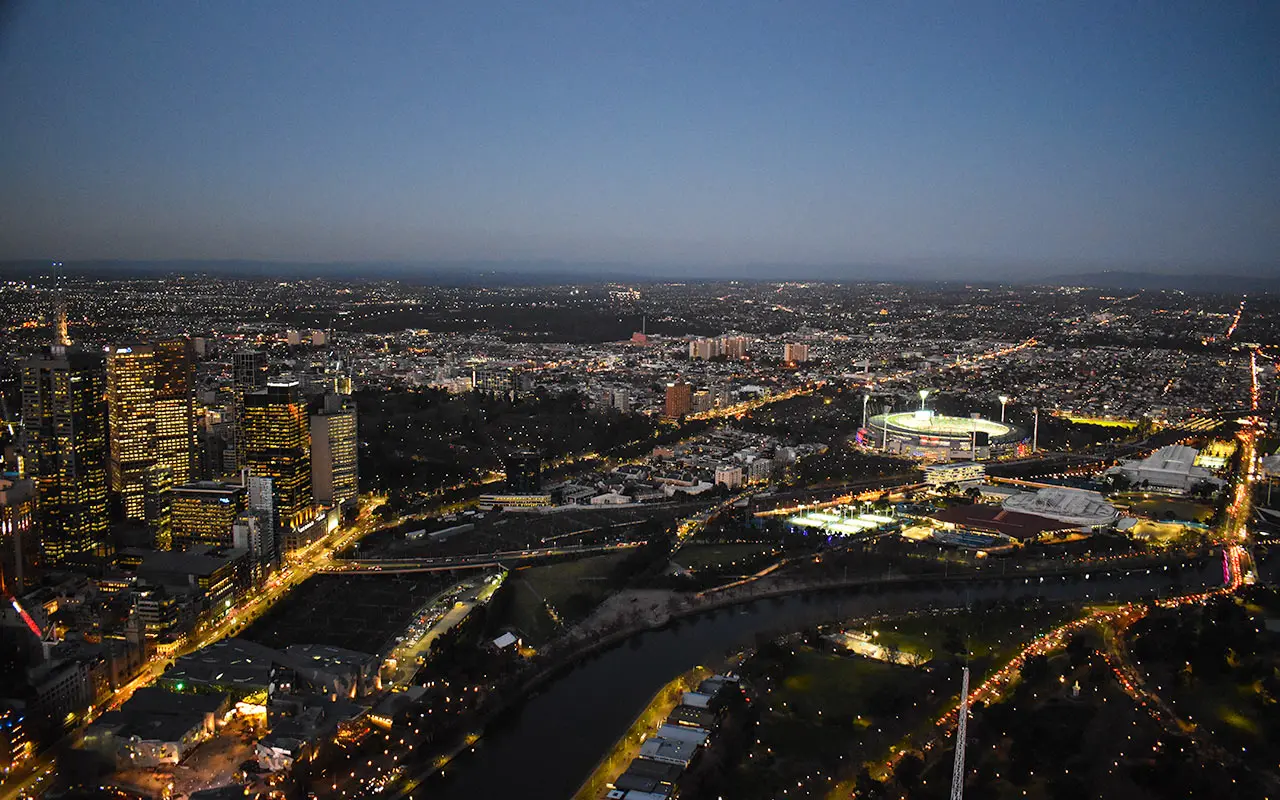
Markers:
point(249, 371)
point(64, 416)
point(334, 467)
point(131, 404)
point(149, 397)
point(175, 408)
point(277, 445)
point(205, 512)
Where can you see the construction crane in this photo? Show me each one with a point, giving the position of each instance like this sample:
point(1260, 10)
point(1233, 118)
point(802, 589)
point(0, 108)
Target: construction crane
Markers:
point(957, 767)
point(22, 612)
point(4, 413)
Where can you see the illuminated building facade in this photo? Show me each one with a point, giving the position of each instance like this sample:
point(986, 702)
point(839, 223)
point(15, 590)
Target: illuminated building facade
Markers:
point(205, 512)
point(175, 408)
point(249, 369)
point(64, 415)
point(131, 403)
point(795, 353)
point(15, 745)
point(152, 425)
point(277, 445)
point(334, 457)
point(17, 530)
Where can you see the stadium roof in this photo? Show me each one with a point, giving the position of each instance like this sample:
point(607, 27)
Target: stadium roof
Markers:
point(1076, 506)
point(993, 519)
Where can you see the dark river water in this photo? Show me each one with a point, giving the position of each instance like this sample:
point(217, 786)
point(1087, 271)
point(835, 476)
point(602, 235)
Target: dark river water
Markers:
point(545, 748)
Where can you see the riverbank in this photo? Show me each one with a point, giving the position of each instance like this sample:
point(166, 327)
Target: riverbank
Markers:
point(628, 747)
point(622, 670)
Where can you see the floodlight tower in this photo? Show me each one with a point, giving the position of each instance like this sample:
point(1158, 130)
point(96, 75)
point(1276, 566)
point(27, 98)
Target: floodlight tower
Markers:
point(866, 397)
point(1035, 431)
point(1004, 401)
point(924, 393)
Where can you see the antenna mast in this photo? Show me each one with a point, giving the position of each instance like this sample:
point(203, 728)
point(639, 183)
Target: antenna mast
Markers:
point(957, 768)
point(60, 335)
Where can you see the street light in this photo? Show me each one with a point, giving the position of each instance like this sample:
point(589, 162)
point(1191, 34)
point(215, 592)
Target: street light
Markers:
point(923, 394)
point(1004, 401)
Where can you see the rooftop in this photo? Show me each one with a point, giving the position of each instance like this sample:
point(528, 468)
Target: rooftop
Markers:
point(994, 519)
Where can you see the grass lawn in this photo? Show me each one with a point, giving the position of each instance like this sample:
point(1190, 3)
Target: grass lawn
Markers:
point(569, 588)
point(1160, 509)
point(991, 636)
point(1166, 533)
point(827, 712)
point(721, 558)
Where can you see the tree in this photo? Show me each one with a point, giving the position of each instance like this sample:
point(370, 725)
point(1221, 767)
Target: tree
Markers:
point(908, 771)
point(1035, 669)
point(867, 786)
point(1078, 650)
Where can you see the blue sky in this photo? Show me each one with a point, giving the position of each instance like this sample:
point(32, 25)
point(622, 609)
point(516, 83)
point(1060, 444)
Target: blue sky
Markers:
point(1024, 135)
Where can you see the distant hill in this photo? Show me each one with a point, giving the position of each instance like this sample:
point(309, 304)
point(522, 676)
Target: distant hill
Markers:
point(1154, 281)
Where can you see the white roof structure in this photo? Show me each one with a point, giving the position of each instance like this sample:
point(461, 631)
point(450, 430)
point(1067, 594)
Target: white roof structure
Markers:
point(1074, 506)
point(670, 751)
point(505, 640)
point(1172, 467)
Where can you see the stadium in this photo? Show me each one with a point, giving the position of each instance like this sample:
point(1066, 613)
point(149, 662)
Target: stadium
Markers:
point(926, 434)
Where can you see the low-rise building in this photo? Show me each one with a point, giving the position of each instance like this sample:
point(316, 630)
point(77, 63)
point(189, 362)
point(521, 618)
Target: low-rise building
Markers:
point(1079, 507)
point(729, 476)
point(156, 727)
point(1170, 469)
point(944, 473)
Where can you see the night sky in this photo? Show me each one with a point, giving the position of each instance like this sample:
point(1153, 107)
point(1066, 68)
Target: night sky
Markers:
point(975, 136)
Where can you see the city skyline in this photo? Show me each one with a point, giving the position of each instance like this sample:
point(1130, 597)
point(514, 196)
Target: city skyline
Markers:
point(981, 143)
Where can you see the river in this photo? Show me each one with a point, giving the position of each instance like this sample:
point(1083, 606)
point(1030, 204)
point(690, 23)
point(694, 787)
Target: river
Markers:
point(546, 747)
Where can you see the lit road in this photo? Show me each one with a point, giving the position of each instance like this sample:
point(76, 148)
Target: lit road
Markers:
point(301, 565)
point(478, 560)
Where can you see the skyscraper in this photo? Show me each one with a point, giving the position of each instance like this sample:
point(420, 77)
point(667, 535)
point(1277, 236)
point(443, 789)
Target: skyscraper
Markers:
point(131, 404)
point(175, 407)
point(149, 397)
point(334, 469)
point(64, 415)
point(277, 445)
point(249, 369)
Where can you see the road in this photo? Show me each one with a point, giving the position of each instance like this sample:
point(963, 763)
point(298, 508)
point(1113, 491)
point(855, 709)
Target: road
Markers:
point(406, 654)
point(32, 779)
point(397, 565)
